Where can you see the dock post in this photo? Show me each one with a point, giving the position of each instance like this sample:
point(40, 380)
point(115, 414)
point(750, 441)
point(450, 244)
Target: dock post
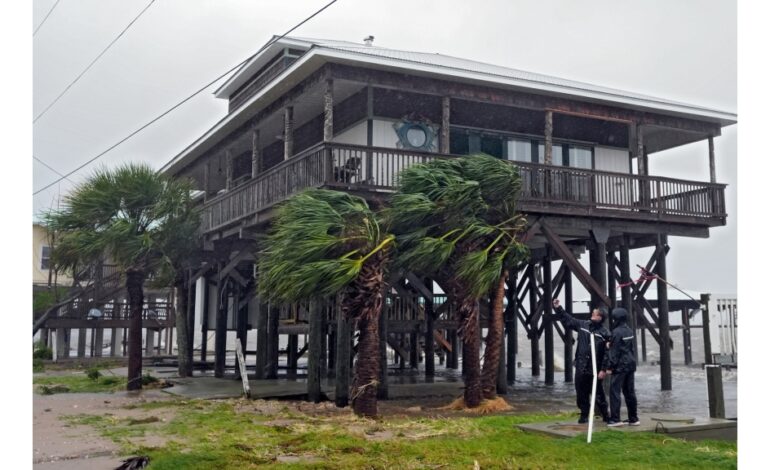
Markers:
point(715, 391)
point(686, 336)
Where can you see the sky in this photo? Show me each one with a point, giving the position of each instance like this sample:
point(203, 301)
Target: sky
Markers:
point(684, 51)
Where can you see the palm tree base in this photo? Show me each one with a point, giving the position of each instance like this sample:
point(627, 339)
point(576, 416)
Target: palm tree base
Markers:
point(487, 406)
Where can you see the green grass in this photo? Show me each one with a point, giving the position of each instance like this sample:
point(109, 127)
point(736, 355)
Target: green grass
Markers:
point(79, 382)
point(212, 434)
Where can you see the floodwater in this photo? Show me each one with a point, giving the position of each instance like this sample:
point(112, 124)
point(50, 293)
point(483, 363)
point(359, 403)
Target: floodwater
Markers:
point(688, 396)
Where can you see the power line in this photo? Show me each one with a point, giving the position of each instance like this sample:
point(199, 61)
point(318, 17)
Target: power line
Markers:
point(185, 100)
point(46, 17)
point(93, 61)
point(51, 168)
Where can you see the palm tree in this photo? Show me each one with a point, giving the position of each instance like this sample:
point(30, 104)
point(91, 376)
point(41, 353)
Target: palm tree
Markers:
point(128, 215)
point(325, 243)
point(456, 221)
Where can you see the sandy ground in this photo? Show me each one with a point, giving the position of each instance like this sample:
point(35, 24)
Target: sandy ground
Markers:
point(56, 445)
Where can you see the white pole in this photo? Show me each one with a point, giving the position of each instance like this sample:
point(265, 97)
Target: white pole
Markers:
point(593, 389)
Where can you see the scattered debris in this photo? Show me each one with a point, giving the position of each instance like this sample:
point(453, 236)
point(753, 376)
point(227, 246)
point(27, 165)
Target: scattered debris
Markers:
point(134, 463)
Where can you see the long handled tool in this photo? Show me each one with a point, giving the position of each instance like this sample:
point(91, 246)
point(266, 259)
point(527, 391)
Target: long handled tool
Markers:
point(593, 389)
point(646, 276)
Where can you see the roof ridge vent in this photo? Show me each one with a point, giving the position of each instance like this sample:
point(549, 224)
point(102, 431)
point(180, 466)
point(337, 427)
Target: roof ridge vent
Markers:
point(368, 40)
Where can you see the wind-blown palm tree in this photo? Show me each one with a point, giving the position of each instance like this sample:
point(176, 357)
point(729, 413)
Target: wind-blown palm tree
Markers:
point(129, 215)
point(456, 221)
point(325, 243)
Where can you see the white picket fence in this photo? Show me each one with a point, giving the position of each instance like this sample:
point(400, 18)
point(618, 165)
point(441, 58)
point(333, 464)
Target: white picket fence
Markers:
point(723, 325)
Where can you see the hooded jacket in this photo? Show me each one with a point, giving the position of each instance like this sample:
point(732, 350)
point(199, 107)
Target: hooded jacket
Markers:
point(585, 329)
point(620, 356)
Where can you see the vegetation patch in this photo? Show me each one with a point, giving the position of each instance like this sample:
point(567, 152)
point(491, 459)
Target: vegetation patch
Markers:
point(226, 434)
point(78, 382)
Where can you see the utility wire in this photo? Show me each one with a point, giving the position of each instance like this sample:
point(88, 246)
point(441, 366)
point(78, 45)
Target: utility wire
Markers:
point(51, 168)
point(186, 99)
point(46, 17)
point(93, 62)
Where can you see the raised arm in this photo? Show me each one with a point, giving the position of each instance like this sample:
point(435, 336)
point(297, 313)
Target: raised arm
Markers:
point(567, 320)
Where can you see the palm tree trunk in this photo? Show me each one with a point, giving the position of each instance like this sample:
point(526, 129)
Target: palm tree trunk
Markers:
point(494, 342)
point(135, 288)
point(182, 338)
point(365, 304)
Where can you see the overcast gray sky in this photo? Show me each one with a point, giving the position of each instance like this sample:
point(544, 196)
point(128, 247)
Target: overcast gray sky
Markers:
point(683, 50)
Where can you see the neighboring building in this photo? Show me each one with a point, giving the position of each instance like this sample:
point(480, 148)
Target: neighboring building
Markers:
point(317, 113)
point(42, 268)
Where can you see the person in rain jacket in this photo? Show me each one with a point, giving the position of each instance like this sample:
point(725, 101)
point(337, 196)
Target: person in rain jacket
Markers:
point(584, 375)
point(620, 362)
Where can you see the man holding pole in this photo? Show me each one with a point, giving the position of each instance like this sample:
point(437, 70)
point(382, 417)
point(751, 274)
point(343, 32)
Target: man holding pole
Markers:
point(587, 330)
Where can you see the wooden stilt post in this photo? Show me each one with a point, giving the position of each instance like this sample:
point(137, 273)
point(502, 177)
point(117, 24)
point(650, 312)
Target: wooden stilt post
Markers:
point(149, 342)
point(454, 358)
point(705, 321)
point(548, 325)
point(220, 332)
point(644, 343)
point(611, 280)
point(292, 350)
point(568, 338)
point(205, 318)
point(342, 365)
point(712, 161)
point(273, 315)
point(98, 341)
point(315, 339)
point(241, 317)
point(625, 292)
point(430, 358)
point(534, 339)
point(82, 342)
point(114, 342)
point(511, 323)
point(686, 343)
point(382, 389)
point(663, 330)
point(262, 348)
point(413, 346)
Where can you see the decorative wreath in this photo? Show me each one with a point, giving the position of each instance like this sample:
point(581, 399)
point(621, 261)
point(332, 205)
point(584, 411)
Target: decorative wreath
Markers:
point(416, 134)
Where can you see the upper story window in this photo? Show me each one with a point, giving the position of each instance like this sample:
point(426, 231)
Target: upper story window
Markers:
point(45, 258)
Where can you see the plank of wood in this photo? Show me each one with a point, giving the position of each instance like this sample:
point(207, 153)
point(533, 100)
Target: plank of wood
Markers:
point(242, 369)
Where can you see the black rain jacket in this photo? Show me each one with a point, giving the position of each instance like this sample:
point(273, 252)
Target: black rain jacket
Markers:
point(585, 329)
point(620, 356)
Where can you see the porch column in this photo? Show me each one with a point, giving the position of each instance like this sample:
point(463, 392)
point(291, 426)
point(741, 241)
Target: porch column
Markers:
point(639, 149)
point(549, 137)
point(329, 110)
point(712, 163)
point(443, 143)
point(598, 263)
point(288, 132)
point(256, 154)
point(228, 170)
point(206, 180)
point(665, 351)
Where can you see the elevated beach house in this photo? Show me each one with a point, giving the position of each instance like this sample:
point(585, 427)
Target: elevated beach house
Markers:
point(335, 114)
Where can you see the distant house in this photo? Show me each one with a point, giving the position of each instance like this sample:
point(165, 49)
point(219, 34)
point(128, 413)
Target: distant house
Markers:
point(42, 267)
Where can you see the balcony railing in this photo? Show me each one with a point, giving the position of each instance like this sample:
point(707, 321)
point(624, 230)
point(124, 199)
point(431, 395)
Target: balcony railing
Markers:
point(545, 189)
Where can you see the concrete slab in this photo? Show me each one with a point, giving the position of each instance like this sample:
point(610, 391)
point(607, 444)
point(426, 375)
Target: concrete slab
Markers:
point(682, 427)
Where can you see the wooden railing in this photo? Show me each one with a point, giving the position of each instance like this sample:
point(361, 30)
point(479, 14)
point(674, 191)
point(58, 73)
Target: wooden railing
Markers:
point(362, 168)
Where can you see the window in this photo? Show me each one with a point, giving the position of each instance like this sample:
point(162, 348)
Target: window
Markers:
point(519, 150)
point(580, 157)
point(45, 258)
point(556, 154)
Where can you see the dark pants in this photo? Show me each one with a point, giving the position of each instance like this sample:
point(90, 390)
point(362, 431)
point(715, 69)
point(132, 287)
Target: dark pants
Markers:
point(583, 391)
point(623, 381)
